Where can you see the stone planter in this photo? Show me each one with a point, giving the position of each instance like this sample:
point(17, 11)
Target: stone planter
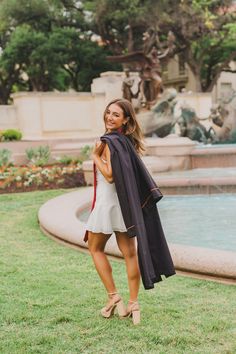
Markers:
point(169, 154)
point(87, 167)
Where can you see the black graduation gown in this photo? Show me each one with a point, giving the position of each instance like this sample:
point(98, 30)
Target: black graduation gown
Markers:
point(138, 194)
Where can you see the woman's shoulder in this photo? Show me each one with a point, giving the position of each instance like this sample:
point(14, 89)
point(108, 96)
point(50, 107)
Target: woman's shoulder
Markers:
point(111, 135)
point(112, 138)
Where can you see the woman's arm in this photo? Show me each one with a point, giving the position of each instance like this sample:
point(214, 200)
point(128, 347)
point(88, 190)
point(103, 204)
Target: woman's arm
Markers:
point(105, 168)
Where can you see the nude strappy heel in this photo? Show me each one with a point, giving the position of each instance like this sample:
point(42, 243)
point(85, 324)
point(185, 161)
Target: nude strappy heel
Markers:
point(115, 302)
point(134, 311)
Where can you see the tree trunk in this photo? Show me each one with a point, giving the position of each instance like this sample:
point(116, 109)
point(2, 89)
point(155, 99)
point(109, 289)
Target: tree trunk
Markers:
point(209, 88)
point(3, 100)
point(4, 95)
point(195, 68)
point(217, 72)
point(130, 44)
point(197, 77)
point(198, 84)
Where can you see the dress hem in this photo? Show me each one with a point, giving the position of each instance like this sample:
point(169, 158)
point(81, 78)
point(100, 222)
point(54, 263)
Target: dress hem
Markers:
point(107, 232)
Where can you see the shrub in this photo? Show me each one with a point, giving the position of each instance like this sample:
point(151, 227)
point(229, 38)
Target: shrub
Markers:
point(38, 156)
point(85, 153)
point(10, 135)
point(65, 159)
point(5, 156)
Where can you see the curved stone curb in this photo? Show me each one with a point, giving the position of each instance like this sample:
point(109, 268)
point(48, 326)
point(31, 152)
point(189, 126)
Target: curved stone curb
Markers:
point(204, 260)
point(59, 217)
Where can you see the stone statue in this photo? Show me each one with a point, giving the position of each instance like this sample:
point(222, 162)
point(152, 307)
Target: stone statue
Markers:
point(160, 120)
point(151, 82)
point(127, 85)
point(147, 62)
point(191, 127)
point(223, 115)
point(217, 114)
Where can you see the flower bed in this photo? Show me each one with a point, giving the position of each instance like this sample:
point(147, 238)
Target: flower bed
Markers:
point(29, 178)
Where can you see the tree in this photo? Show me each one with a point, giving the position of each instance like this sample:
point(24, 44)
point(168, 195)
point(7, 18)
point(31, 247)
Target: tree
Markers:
point(46, 45)
point(119, 23)
point(204, 30)
point(80, 58)
point(205, 33)
point(35, 60)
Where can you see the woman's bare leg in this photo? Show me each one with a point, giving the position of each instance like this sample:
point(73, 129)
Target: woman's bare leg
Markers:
point(96, 244)
point(128, 249)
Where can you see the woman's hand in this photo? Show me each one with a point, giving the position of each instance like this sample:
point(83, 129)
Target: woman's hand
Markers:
point(98, 148)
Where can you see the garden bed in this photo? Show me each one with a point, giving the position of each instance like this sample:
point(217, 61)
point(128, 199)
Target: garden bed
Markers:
point(29, 178)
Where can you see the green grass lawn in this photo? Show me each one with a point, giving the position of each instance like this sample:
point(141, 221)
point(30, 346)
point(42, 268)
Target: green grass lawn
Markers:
point(50, 298)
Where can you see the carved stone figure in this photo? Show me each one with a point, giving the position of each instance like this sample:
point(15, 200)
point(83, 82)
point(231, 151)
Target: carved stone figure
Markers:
point(151, 82)
point(147, 62)
point(127, 85)
point(160, 120)
point(223, 115)
point(191, 127)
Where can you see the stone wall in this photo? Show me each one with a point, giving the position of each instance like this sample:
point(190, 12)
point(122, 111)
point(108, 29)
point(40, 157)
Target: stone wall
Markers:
point(8, 117)
point(55, 115)
point(77, 115)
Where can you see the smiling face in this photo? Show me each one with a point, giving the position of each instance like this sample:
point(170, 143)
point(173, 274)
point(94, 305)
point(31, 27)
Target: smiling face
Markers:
point(114, 117)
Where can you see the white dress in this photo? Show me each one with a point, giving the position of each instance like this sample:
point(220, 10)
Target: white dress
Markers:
point(106, 216)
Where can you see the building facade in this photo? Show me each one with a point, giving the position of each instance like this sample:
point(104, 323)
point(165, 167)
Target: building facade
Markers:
point(178, 74)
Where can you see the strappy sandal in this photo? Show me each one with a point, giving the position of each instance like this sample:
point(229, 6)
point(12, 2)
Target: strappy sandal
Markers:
point(133, 310)
point(115, 302)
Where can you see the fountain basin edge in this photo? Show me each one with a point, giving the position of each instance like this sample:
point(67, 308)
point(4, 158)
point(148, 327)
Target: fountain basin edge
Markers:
point(59, 217)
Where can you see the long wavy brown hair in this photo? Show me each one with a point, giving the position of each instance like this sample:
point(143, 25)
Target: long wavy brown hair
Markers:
point(131, 128)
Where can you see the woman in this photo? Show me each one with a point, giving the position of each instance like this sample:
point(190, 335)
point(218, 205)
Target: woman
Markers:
point(125, 203)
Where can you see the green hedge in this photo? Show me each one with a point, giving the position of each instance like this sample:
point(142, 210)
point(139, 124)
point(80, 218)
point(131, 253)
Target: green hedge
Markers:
point(10, 135)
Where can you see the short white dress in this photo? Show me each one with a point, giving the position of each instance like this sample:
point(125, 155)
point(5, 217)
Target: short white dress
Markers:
point(106, 216)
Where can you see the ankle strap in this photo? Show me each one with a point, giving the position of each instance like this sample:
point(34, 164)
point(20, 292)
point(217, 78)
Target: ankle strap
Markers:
point(113, 293)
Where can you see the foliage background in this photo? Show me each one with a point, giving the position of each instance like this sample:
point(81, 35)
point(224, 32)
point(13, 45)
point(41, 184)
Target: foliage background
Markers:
point(62, 44)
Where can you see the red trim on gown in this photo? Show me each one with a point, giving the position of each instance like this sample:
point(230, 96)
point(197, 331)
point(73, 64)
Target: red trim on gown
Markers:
point(94, 196)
